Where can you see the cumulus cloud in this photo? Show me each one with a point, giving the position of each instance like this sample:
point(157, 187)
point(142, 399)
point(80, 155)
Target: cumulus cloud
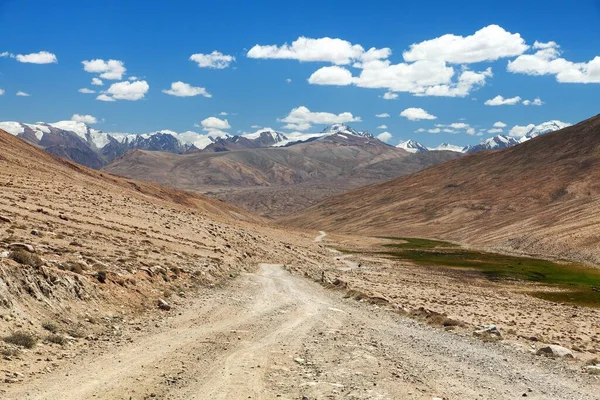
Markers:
point(86, 119)
point(6, 54)
point(288, 80)
point(43, 57)
point(520, 131)
point(212, 123)
point(416, 114)
point(384, 136)
point(303, 117)
point(333, 50)
point(382, 127)
point(547, 61)
point(111, 69)
point(459, 125)
point(22, 94)
point(223, 113)
point(2, 92)
point(434, 130)
point(181, 89)
point(104, 97)
point(97, 82)
point(382, 115)
point(535, 102)
point(501, 101)
point(390, 96)
point(304, 126)
point(467, 81)
point(487, 44)
point(495, 130)
point(333, 75)
point(215, 60)
point(128, 90)
point(499, 124)
point(470, 131)
point(86, 91)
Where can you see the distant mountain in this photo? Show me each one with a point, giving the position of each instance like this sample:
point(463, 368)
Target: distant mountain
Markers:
point(539, 197)
point(448, 147)
point(412, 146)
point(494, 143)
point(344, 129)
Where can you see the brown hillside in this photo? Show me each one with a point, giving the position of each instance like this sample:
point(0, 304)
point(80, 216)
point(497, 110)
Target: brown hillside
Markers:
point(540, 196)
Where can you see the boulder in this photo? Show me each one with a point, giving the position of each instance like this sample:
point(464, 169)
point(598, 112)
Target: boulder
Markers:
point(487, 330)
point(22, 246)
point(5, 219)
point(555, 351)
point(163, 305)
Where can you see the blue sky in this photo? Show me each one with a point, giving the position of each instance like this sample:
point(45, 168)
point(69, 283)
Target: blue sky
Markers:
point(155, 40)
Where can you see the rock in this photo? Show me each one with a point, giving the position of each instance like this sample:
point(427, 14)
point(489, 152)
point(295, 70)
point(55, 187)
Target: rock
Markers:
point(63, 217)
point(555, 351)
point(35, 232)
point(592, 369)
point(4, 254)
point(163, 305)
point(23, 246)
point(5, 219)
point(299, 360)
point(487, 330)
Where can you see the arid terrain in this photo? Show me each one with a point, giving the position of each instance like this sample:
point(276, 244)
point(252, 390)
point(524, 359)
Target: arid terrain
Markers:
point(113, 288)
point(540, 197)
point(261, 180)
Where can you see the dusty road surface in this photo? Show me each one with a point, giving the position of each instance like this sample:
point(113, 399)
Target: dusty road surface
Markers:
point(273, 335)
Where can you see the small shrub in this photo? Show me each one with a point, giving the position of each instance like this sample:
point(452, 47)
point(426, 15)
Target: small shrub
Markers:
point(58, 339)
point(22, 339)
point(77, 332)
point(26, 258)
point(6, 352)
point(50, 326)
point(76, 267)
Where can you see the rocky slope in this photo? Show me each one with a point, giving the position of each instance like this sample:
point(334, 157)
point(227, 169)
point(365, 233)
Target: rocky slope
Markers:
point(541, 196)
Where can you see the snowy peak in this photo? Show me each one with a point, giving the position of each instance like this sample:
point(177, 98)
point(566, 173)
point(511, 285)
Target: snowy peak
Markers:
point(448, 147)
point(266, 134)
point(346, 130)
point(543, 128)
point(412, 146)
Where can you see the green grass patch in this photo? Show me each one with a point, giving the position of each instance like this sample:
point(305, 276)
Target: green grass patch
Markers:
point(580, 284)
point(416, 243)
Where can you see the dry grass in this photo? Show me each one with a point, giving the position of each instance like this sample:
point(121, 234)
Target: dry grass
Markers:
point(26, 258)
point(21, 338)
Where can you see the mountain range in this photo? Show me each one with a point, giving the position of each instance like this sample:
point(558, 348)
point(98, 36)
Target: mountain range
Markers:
point(541, 196)
point(494, 143)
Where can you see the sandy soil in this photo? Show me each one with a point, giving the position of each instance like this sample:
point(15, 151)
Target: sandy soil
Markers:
point(275, 335)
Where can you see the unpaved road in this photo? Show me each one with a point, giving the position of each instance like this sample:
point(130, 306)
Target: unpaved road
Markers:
point(273, 335)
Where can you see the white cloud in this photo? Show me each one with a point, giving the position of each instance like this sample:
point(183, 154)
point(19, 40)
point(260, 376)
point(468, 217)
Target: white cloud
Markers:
point(546, 61)
point(2, 92)
point(447, 130)
point(434, 130)
point(288, 80)
point(390, 96)
point(86, 91)
point(499, 124)
point(519, 131)
point(97, 82)
point(22, 94)
point(303, 117)
point(215, 60)
point(43, 57)
point(304, 126)
point(333, 75)
point(86, 119)
point(470, 131)
point(382, 127)
point(383, 115)
point(495, 130)
point(104, 97)
point(127, 90)
point(536, 102)
point(420, 130)
point(135, 78)
point(181, 89)
point(256, 127)
point(416, 114)
point(384, 136)
point(487, 44)
point(335, 51)
point(111, 69)
point(6, 54)
point(223, 113)
point(467, 82)
point(214, 123)
point(459, 125)
point(501, 101)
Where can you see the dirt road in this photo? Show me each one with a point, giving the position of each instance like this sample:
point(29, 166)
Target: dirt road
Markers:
point(275, 335)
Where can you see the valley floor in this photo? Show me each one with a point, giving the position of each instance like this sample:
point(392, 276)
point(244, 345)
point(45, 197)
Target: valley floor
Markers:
point(272, 334)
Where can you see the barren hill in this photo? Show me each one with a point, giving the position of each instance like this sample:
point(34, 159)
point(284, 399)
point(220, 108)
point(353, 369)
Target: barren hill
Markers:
point(540, 196)
point(275, 181)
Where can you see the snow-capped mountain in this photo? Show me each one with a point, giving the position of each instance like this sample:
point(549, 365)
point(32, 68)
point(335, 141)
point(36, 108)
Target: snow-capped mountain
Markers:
point(345, 130)
point(494, 143)
point(448, 147)
point(545, 127)
point(412, 146)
